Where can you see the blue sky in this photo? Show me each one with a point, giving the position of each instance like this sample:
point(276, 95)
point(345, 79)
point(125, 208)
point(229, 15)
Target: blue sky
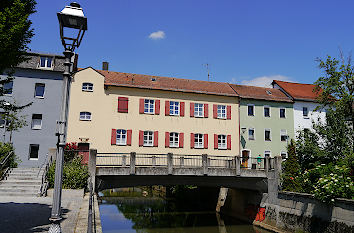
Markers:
point(248, 41)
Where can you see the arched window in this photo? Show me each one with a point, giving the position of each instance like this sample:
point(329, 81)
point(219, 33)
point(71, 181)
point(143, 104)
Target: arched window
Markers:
point(87, 87)
point(85, 116)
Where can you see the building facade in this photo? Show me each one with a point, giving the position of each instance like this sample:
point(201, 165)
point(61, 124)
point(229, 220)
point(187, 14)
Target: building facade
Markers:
point(266, 122)
point(37, 81)
point(122, 112)
point(305, 104)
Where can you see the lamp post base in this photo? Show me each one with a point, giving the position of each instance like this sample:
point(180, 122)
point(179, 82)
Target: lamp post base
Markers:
point(55, 227)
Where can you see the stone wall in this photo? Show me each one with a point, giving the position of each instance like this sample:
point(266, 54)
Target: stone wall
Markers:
point(297, 212)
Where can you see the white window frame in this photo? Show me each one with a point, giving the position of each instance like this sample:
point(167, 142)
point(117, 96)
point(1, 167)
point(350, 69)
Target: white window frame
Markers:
point(46, 62)
point(266, 106)
point(284, 152)
point(270, 135)
point(29, 154)
point(251, 105)
point(221, 110)
point(198, 110)
point(38, 126)
point(222, 142)
point(307, 115)
point(149, 106)
point(199, 141)
point(87, 87)
point(174, 139)
point(148, 138)
point(12, 89)
point(254, 134)
point(280, 112)
point(121, 137)
point(86, 116)
point(35, 90)
point(268, 152)
point(283, 132)
point(174, 108)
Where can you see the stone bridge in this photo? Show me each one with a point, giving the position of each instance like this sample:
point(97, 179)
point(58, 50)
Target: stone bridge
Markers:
point(113, 170)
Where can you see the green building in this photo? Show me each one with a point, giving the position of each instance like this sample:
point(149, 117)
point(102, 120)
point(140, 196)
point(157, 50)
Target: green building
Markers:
point(266, 123)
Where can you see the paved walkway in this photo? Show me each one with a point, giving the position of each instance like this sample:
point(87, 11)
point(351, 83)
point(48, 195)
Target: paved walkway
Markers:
point(31, 214)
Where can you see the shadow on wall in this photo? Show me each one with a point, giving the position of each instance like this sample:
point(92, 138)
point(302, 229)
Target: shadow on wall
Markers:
point(25, 217)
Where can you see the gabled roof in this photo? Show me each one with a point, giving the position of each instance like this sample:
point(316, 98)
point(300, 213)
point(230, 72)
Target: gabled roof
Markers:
point(260, 93)
point(166, 83)
point(299, 91)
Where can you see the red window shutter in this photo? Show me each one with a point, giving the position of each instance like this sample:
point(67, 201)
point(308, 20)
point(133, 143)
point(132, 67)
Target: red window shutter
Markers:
point(181, 140)
point(228, 112)
point(205, 141)
point(141, 138)
point(192, 109)
point(156, 138)
point(229, 142)
point(157, 107)
point(167, 139)
point(215, 111)
point(122, 104)
point(206, 113)
point(192, 140)
point(215, 141)
point(167, 108)
point(141, 106)
point(114, 137)
point(129, 137)
point(182, 109)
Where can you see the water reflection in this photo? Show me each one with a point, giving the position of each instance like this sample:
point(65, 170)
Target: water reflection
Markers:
point(152, 214)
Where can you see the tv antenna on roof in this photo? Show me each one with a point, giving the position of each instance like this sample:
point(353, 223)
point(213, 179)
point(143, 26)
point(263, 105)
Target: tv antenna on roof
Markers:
point(207, 66)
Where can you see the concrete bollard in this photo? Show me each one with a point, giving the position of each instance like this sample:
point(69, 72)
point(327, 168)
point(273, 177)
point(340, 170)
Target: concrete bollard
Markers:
point(92, 167)
point(132, 162)
point(238, 165)
point(277, 165)
point(170, 163)
point(205, 164)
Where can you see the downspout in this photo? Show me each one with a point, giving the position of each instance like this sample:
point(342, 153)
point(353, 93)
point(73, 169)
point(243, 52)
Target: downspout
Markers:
point(239, 120)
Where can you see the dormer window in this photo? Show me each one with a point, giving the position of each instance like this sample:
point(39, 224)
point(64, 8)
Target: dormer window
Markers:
point(46, 62)
point(87, 87)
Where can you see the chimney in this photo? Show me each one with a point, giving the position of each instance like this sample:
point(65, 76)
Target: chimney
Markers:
point(105, 65)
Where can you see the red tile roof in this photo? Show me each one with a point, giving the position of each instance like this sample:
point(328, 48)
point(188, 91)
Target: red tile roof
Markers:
point(299, 91)
point(261, 93)
point(166, 83)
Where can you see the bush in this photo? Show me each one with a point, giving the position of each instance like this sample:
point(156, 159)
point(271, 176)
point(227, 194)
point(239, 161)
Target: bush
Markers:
point(75, 174)
point(5, 149)
point(291, 170)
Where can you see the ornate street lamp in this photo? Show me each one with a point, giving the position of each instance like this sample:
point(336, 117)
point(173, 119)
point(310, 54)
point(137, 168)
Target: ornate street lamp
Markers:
point(73, 25)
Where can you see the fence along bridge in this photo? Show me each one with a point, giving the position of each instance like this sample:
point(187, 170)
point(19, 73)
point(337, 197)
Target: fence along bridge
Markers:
point(112, 170)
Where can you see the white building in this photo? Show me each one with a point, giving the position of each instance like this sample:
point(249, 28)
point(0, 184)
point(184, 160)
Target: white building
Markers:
point(304, 97)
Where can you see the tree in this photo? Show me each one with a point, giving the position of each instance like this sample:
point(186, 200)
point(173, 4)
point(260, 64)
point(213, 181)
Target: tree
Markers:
point(291, 170)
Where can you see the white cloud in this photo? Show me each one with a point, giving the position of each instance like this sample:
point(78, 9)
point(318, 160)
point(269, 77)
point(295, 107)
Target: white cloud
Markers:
point(263, 81)
point(157, 35)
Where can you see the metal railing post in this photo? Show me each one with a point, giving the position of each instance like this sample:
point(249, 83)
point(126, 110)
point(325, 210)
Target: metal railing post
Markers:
point(153, 160)
point(238, 165)
point(132, 162)
point(205, 164)
point(181, 161)
point(170, 163)
point(124, 160)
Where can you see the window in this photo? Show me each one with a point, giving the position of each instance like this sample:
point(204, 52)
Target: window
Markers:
point(250, 134)
point(33, 153)
point(121, 137)
point(282, 113)
point(123, 104)
point(87, 87)
point(37, 121)
point(46, 62)
point(283, 154)
point(305, 112)
point(7, 88)
point(221, 141)
point(85, 116)
point(39, 90)
point(198, 140)
point(222, 111)
point(148, 138)
point(149, 106)
point(174, 139)
point(174, 108)
point(198, 110)
point(267, 135)
point(267, 153)
point(250, 110)
point(266, 111)
point(283, 135)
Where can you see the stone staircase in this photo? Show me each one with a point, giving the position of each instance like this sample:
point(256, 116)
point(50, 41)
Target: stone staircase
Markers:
point(21, 182)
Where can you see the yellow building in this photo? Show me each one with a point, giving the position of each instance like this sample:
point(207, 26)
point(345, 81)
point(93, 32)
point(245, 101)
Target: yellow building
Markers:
point(123, 112)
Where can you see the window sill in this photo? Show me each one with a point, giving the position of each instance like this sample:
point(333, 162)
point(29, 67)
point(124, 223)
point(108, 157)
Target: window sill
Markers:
point(173, 146)
point(222, 148)
point(39, 97)
point(85, 119)
point(198, 148)
point(267, 140)
point(250, 115)
point(45, 68)
point(33, 158)
point(221, 118)
point(251, 139)
point(148, 145)
point(306, 117)
point(8, 94)
point(149, 113)
point(87, 90)
point(176, 115)
point(36, 129)
point(121, 144)
point(198, 116)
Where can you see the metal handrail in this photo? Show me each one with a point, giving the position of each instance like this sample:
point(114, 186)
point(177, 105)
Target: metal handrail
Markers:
point(4, 161)
point(44, 183)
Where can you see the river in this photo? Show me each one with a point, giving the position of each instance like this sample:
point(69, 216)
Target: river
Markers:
point(132, 212)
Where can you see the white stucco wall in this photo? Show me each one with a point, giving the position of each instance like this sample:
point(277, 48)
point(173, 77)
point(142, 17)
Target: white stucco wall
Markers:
point(301, 122)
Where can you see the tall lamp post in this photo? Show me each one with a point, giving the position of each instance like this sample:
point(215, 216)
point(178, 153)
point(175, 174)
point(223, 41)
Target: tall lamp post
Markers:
point(73, 25)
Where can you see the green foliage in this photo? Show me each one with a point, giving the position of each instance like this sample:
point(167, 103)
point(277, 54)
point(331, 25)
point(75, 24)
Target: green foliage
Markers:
point(291, 170)
point(75, 174)
point(15, 31)
point(5, 149)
